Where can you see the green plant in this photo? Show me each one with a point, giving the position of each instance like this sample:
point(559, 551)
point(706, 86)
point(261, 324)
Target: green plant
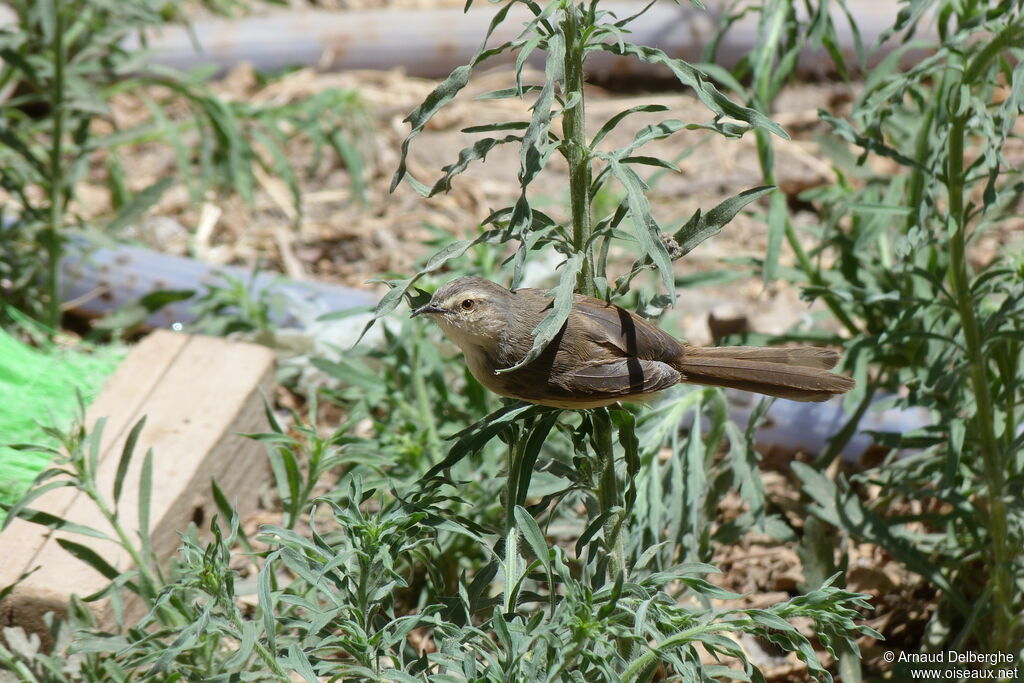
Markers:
point(568, 33)
point(62, 63)
point(924, 314)
point(367, 594)
point(194, 604)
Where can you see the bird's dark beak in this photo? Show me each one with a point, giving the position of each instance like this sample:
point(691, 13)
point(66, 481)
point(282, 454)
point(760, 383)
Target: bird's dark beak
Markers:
point(429, 308)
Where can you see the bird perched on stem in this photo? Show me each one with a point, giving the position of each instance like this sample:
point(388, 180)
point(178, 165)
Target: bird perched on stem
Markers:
point(605, 354)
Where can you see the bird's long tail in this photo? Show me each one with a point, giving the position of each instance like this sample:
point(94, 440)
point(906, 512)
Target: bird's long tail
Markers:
point(799, 374)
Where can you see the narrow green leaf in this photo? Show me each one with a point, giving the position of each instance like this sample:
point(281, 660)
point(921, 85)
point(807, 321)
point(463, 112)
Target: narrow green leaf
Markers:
point(476, 152)
point(623, 23)
point(20, 508)
point(951, 468)
point(846, 131)
point(90, 557)
point(706, 588)
point(535, 147)
point(280, 165)
point(298, 662)
point(533, 536)
point(844, 510)
point(92, 448)
point(771, 621)
point(351, 157)
point(816, 551)
point(58, 523)
point(388, 303)
point(778, 217)
point(507, 93)
point(700, 227)
point(126, 456)
point(474, 437)
point(421, 115)
point(769, 36)
point(646, 229)
point(712, 98)
point(650, 133)
point(722, 75)
point(293, 478)
point(492, 127)
point(266, 602)
point(17, 144)
point(611, 123)
point(592, 528)
point(523, 468)
point(652, 161)
point(625, 424)
point(28, 71)
point(246, 644)
point(524, 53)
point(145, 499)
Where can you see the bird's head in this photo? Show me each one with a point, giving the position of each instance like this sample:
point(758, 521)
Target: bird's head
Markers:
point(470, 310)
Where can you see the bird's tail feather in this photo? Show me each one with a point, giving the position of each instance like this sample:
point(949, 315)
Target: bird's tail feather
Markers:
point(797, 374)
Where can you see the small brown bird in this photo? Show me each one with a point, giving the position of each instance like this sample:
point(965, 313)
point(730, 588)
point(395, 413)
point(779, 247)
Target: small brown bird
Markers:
point(605, 354)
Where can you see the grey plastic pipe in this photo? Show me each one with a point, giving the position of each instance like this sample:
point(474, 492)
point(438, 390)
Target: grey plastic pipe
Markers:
point(99, 281)
point(432, 42)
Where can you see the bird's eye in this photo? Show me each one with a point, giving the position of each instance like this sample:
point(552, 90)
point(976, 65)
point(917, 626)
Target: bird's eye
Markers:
point(467, 304)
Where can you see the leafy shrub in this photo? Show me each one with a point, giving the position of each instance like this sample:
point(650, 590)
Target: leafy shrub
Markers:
point(62, 62)
point(923, 175)
point(539, 543)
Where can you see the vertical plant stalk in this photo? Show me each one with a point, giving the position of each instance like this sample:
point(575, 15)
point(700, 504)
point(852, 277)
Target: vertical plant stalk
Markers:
point(55, 190)
point(609, 495)
point(515, 447)
point(766, 157)
point(838, 441)
point(577, 151)
point(1002, 593)
point(765, 90)
point(423, 407)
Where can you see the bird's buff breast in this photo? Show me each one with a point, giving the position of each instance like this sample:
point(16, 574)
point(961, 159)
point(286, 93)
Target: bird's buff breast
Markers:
point(476, 357)
point(479, 365)
point(517, 385)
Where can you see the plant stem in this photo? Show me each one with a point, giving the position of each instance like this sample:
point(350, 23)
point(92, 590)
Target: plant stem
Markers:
point(577, 151)
point(426, 413)
point(511, 533)
point(766, 158)
point(55, 188)
point(261, 650)
point(838, 441)
point(609, 496)
point(148, 583)
point(1002, 593)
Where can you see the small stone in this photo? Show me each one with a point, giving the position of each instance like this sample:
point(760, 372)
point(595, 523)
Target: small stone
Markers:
point(726, 319)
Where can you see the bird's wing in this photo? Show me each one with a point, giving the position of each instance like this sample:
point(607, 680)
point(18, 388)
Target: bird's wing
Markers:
point(625, 332)
point(619, 378)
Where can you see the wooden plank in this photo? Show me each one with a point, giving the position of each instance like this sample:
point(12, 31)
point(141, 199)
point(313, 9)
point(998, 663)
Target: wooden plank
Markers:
point(122, 397)
point(212, 389)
